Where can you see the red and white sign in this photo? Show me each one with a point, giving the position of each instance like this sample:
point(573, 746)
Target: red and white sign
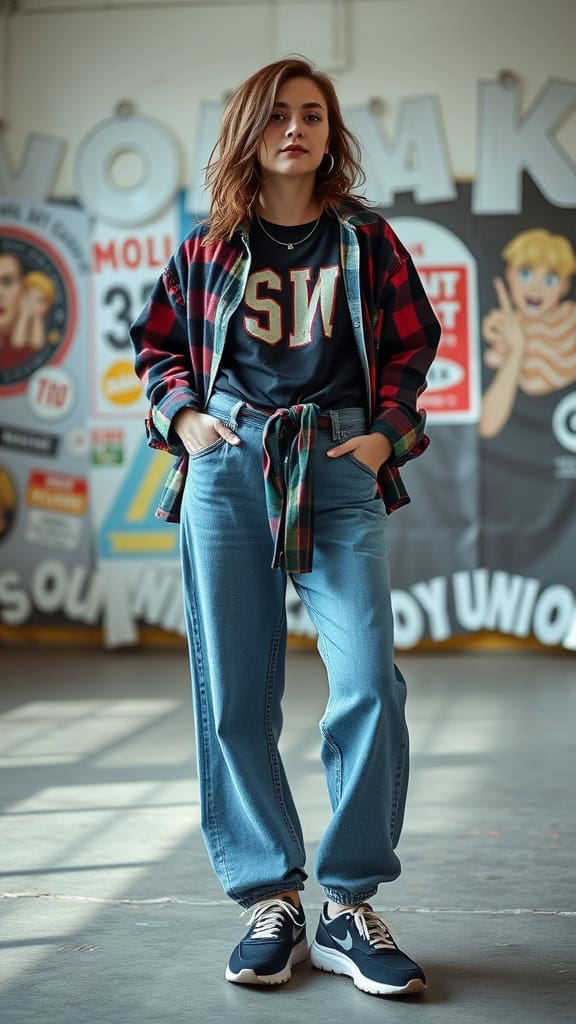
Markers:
point(57, 492)
point(57, 504)
point(448, 289)
point(448, 272)
point(51, 393)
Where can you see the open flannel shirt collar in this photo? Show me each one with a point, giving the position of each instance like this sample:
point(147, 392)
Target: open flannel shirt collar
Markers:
point(179, 339)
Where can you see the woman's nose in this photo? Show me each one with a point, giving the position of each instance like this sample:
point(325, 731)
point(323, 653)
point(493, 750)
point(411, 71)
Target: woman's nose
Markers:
point(294, 129)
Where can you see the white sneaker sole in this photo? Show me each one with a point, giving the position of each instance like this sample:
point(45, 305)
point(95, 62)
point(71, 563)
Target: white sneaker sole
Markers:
point(338, 963)
point(248, 977)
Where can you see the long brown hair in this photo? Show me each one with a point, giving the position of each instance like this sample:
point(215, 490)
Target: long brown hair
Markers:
point(233, 177)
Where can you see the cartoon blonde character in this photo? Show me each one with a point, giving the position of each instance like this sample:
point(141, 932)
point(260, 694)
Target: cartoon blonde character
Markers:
point(37, 301)
point(532, 335)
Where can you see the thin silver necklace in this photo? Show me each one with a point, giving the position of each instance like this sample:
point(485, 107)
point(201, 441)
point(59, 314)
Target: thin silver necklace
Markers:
point(288, 245)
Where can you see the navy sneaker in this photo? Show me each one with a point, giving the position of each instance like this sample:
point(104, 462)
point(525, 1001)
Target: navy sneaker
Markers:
point(357, 943)
point(274, 942)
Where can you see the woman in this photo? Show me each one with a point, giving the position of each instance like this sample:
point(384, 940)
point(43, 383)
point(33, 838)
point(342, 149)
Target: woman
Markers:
point(283, 350)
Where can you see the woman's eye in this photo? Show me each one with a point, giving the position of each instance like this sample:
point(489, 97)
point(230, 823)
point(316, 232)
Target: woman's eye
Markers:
point(525, 274)
point(277, 115)
point(551, 280)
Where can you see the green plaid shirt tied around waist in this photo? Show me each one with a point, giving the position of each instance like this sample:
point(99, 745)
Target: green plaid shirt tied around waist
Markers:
point(288, 440)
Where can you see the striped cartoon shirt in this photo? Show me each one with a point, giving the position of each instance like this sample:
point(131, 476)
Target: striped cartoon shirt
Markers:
point(549, 360)
point(180, 334)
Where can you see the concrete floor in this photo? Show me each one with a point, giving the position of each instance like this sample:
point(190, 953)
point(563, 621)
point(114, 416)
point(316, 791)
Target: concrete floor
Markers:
point(109, 909)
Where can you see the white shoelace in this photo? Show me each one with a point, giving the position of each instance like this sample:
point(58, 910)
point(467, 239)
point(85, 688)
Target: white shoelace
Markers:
point(268, 917)
point(372, 928)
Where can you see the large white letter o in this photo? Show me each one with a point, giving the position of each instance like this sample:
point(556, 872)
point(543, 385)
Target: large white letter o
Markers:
point(157, 149)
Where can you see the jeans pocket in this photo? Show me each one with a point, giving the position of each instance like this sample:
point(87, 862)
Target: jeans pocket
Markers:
point(206, 451)
point(361, 465)
point(348, 434)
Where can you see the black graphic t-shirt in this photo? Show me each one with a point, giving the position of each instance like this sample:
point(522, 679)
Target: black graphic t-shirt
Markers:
point(290, 340)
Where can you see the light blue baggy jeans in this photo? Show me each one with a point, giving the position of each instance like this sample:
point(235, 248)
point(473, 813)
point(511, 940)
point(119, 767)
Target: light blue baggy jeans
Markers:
point(236, 627)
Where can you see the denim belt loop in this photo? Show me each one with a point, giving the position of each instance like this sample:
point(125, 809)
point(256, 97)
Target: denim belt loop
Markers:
point(335, 417)
point(234, 412)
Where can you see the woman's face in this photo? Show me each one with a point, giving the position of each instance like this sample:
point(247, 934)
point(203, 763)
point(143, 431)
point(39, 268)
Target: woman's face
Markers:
point(299, 118)
point(11, 291)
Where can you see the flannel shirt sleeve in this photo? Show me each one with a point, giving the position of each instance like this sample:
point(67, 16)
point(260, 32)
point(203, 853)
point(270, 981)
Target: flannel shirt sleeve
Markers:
point(409, 336)
point(162, 358)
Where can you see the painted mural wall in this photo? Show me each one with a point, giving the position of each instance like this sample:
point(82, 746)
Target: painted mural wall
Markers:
point(489, 541)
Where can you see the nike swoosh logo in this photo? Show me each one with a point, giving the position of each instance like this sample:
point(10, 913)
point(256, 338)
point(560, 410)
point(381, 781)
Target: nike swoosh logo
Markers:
point(345, 943)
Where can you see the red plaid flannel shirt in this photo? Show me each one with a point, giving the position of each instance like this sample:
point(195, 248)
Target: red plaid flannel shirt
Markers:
point(180, 334)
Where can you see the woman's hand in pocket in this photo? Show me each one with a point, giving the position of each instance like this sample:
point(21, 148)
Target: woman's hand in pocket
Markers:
point(198, 430)
point(371, 449)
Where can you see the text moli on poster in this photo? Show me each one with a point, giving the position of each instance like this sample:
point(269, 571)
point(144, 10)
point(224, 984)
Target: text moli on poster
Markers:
point(508, 144)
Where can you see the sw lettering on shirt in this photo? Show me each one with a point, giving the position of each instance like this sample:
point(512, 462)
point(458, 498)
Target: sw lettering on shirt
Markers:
point(291, 339)
point(305, 308)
